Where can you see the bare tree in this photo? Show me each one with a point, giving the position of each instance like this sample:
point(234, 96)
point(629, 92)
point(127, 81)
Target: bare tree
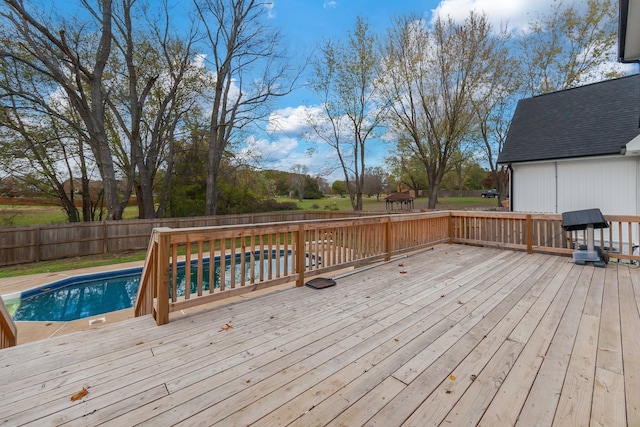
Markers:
point(75, 58)
point(345, 81)
point(571, 45)
point(299, 174)
point(157, 83)
point(249, 68)
point(430, 75)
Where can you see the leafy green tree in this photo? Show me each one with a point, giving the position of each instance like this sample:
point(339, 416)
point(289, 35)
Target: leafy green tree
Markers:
point(278, 181)
point(339, 187)
point(406, 170)
point(312, 189)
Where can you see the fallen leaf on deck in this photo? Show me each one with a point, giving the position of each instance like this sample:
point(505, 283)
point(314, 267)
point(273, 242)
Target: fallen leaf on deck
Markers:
point(248, 381)
point(452, 377)
point(460, 302)
point(396, 339)
point(473, 377)
point(79, 395)
point(226, 327)
point(400, 265)
point(403, 272)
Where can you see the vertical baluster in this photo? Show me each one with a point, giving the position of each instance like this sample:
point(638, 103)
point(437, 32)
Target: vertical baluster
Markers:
point(174, 272)
point(243, 261)
point(278, 254)
point(212, 265)
point(232, 264)
point(199, 271)
point(252, 260)
point(222, 277)
point(270, 256)
point(187, 271)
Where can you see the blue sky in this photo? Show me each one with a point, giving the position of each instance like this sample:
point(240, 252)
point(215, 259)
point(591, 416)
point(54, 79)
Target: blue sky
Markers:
point(306, 23)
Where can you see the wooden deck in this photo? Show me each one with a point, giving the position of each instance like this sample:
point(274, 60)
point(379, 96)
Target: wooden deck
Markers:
point(457, 336)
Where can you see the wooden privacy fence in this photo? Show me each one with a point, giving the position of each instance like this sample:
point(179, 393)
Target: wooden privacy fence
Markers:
point(19, 245)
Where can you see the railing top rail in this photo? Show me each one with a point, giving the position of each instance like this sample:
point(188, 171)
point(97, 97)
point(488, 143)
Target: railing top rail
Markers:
point(489, 214)
point(293, 225)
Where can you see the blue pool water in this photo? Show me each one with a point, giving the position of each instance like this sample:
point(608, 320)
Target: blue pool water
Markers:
point(84, 296)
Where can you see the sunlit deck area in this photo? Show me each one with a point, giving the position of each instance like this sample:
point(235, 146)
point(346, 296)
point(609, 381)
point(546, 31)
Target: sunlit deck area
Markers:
point(455, 335)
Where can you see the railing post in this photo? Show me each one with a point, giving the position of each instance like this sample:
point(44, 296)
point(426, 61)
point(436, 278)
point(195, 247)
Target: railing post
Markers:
point(529, 225)
point(300, 255)
point(387, 236)
point(8, 330)
point(450, 229)
point(162, 280)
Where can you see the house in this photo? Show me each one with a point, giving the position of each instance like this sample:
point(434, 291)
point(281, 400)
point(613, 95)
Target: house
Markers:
point(577, 149)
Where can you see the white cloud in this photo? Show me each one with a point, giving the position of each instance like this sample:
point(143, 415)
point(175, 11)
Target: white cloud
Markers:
point(290, 121)
point(330, 4)
point(270, 7)
point(280, 153)
point(515, 13)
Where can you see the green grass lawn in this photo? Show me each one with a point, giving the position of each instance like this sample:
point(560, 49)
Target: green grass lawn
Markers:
point(18, 215)
point(372, 204)
point(336, 203)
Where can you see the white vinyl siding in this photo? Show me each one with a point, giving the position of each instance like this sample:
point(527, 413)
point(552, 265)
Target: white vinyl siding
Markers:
point(610, 184)
point(534, 188)
point(607, 184)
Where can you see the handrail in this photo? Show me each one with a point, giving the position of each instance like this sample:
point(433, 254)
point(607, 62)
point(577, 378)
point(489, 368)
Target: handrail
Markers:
point(262, 255)
point(8, 330)
point(144, 299)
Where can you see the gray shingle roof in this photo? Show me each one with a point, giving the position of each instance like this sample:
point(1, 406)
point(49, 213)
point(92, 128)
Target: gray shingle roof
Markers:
point(592, 120)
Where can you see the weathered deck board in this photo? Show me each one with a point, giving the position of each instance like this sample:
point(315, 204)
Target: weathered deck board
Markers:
point(457, 335)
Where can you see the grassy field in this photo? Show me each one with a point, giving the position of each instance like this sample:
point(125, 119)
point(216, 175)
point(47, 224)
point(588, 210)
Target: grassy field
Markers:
point(18, 215)
point(373, 204)
point(35, 215)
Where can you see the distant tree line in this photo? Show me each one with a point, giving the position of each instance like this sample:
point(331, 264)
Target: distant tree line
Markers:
point(129, 98)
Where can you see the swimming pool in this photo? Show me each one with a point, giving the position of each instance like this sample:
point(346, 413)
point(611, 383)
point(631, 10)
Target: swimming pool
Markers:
point(89, 295)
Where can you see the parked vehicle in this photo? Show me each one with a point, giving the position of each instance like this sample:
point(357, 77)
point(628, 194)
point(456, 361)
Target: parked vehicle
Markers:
point(489, 193)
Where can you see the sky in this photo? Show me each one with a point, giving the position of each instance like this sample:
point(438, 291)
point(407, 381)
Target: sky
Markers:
point(307, 23)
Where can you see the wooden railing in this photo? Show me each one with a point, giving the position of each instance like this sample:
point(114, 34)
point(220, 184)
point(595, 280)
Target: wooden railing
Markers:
point(264, 255)
point(544, 233)
point(20, 245)
point(256, 256)
point(8, 331)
